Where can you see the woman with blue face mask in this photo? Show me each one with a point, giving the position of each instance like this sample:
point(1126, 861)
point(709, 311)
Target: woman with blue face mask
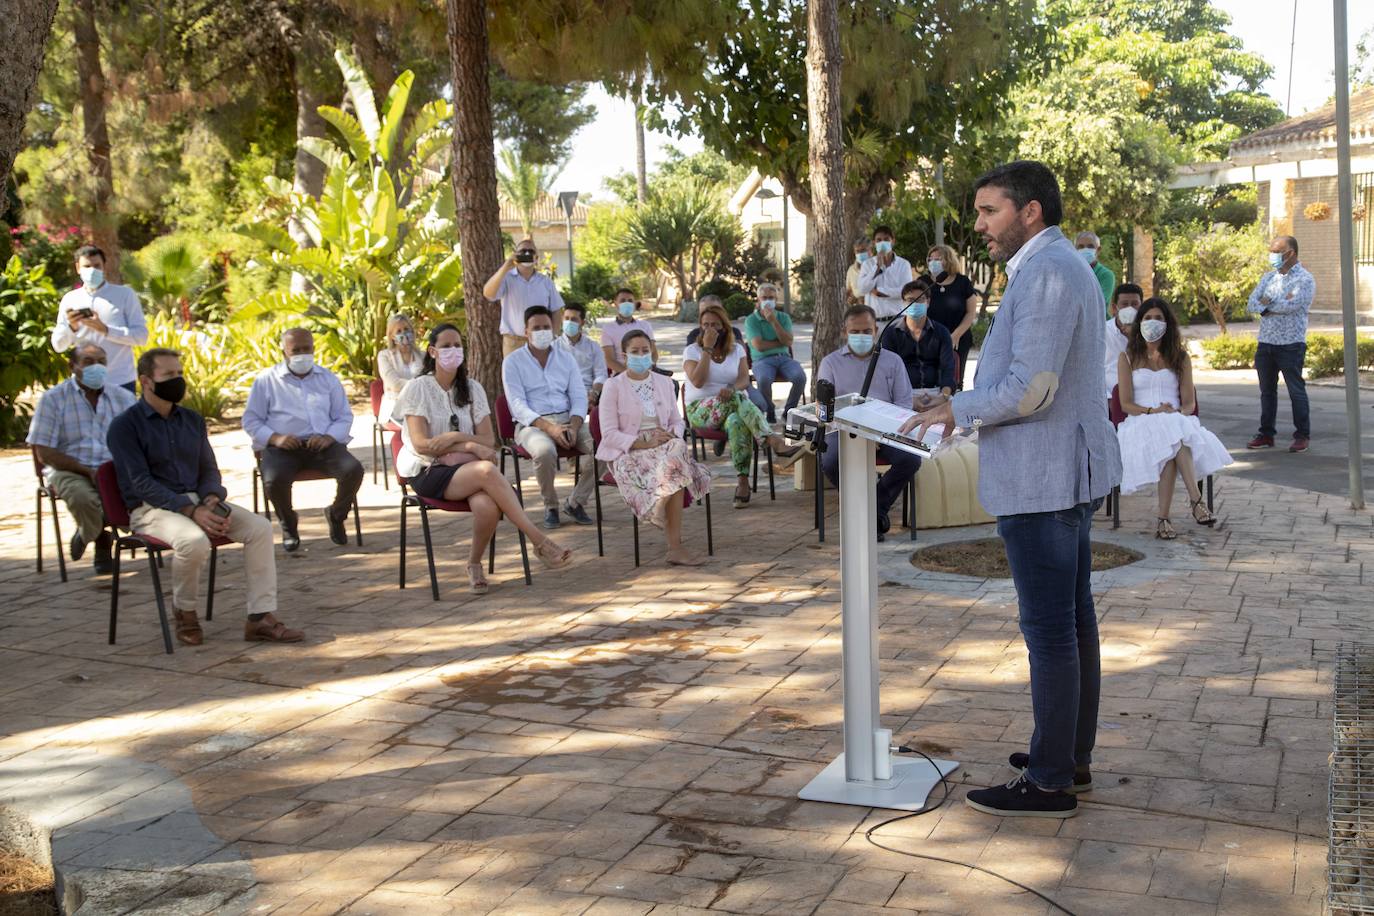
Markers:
point(641, 436)
point(1161, 437)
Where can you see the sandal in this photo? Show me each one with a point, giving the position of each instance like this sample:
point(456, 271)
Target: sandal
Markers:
point(553, 556)
point(1206, 519)
point(477, 582)
point(1164, 531)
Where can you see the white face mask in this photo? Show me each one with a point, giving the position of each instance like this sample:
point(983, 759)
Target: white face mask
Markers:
point(91, 277)
point(541, 339)
point(1153, 329)
point(301, 363)
point(1126, 315)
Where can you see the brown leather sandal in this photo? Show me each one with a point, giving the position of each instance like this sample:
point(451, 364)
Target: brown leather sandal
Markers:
point(189, 632)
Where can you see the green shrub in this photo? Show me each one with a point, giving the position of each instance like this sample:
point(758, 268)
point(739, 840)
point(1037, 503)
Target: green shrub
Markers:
point(28, 307)
point(592, 281)
point(1326, 354)
point(738, 305)
point(718, 286)
point(1230, 352)
point(980, 329)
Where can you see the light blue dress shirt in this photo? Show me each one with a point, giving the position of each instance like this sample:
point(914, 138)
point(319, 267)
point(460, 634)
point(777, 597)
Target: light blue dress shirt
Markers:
point(282, 403)
point(535, 391)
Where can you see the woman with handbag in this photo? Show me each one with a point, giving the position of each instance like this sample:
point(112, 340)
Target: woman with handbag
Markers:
point(448, 451)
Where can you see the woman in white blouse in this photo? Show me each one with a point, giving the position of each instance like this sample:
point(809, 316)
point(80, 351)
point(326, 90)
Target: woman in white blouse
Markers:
point(717, 376)
point(449, 453)
point(398, 363)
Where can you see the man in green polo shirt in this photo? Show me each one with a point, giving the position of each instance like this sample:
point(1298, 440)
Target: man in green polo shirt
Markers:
point(1090, 246)
point(769, 333)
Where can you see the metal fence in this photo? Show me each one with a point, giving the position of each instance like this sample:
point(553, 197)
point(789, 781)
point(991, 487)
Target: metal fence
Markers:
point(1363, 196)
point(1350, 854)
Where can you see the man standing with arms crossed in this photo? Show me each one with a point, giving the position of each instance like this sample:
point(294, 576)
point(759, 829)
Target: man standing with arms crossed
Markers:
point(1281, 299)
point(1048, 455)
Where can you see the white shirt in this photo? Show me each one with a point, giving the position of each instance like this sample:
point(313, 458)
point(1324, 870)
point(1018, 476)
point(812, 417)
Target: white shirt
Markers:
point(587, 353)
point(1116, 345)
point(118, 307)
point(718, 376)
point(424, 397)
point(535, 391)
point(882, 286)
point(1015, 260)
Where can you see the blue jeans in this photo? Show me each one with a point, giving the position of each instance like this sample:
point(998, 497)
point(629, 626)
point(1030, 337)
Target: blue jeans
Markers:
point(765, 407)
point(769, 369)
point(1051, 563)
point(1270, 360)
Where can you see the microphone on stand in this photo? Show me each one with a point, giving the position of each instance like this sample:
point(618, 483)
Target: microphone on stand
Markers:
point(825, 400)
point(877, 347)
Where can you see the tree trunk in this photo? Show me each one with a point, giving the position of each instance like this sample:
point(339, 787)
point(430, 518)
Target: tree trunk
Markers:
point(641, 161)
point(94, 105)
point(826, 159)
point(474, 185)
point(24, 27)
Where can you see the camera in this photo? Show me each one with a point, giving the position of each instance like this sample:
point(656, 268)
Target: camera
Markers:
point(524, 257)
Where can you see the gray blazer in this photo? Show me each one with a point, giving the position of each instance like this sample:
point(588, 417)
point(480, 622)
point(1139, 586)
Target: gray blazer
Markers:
point(1045, 442)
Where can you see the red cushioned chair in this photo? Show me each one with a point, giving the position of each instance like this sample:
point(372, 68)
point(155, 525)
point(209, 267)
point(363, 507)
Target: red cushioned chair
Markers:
point(44, 489)
point(118, 517)
point(505, 428)
point(427, 505)
point(608, 480)
point(377, 390)
point(1118, 416)
point(306, 474)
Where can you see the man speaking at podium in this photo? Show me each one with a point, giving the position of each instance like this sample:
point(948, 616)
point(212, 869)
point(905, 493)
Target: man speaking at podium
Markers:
point(1047, 457)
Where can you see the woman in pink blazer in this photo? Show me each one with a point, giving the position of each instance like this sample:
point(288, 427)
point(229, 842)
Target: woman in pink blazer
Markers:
point(641, 437)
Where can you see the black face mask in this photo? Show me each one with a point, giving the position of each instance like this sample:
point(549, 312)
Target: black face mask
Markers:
point(171, 389)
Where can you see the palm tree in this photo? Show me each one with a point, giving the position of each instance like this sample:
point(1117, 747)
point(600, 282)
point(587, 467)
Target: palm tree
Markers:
point(524, 184)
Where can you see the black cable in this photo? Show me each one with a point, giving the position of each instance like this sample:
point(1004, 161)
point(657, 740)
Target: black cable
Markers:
point(868, 835)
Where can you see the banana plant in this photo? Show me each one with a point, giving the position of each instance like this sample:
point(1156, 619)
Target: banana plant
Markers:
point(382, 229)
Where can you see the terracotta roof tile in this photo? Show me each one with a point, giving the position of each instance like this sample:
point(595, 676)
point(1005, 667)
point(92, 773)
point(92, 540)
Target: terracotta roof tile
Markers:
point(546, 211)
point(1317, 126)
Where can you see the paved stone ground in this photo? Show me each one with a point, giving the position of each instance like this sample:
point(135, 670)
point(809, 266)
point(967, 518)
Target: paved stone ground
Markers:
point(622, 741)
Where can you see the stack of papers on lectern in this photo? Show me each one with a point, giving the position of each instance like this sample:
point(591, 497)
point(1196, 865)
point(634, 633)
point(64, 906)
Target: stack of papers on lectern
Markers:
point(885, 421)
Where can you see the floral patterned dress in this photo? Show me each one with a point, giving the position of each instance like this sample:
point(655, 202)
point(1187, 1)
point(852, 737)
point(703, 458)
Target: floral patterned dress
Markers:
point(648, 477)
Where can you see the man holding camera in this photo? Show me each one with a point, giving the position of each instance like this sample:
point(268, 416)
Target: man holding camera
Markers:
point(101, 313)
point(520, 286)
point(171, 485)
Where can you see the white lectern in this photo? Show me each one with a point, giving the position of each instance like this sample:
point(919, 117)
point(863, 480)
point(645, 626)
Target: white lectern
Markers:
point(867, 773)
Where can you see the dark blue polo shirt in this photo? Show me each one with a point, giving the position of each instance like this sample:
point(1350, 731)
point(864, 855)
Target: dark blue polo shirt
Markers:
point(159, 460)
point(929, 361)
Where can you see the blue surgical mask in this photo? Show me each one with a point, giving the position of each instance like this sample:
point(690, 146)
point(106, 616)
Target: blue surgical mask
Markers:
point(936, 266)
point(93, 376)
point(861, 344)
point(862, 256)
point(1276, 259)
point(882, 247)
point(768, 305)
point(916, 310)
point(626, 309)
point(91, 277)
point(571, 328)
point(1088, 254)
point(639, 363)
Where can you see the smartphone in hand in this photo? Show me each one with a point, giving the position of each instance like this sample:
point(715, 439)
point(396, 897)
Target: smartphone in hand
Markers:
point(221, 509)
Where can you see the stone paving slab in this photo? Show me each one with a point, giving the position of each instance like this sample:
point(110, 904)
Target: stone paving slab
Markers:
point(616, 740)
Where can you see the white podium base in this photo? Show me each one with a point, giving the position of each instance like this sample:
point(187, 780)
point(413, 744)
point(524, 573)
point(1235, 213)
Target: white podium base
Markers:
point(907, 790)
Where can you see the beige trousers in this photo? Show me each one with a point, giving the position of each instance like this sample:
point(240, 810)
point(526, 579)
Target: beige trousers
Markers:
point(83, 502)
point(191, 551)
point(510, 343)
point(545, 455)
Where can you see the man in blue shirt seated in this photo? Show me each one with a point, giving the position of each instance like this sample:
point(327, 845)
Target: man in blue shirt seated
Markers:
point(548, 401)
point(170, 483)
point(299, 419)
point(924, 345)
point(846, 369)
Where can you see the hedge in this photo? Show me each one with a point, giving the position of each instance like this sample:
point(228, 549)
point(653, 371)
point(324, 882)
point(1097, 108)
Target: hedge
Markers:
point(1325, 353)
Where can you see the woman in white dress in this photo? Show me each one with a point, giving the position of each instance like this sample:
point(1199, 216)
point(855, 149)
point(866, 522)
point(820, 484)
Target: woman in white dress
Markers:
point(397, 363)
point(1161, 438)
point(449, 453)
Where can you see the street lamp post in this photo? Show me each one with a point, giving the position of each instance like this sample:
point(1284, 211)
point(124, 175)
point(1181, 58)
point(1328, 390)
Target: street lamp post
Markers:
point(568, 201)
point(1346, 205)
point(770, 194)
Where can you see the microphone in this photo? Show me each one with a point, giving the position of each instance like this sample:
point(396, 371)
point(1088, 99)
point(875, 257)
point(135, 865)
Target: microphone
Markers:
point(877, 348)
point(825, 400)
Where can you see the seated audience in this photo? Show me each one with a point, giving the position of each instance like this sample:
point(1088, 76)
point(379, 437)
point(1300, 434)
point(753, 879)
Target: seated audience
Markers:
point(575, 342)
point(846, 369)
point(923, 344)
point(68, 434)
point(953, 303)
point(613, 331)
point(397, 363)
point(449, 451)
point(1160, 438)
point(1124, 308)
point(171, 486)
point(717, 376)
point(549, 404)
point(641, 434)
point(768, 332)
point(754, 394)
point(299, 419)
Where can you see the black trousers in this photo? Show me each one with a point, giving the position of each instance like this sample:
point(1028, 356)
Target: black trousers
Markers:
point(281, 467)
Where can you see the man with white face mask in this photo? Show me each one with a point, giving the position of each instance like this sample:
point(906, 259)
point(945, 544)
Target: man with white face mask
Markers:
point(548, 401)
point(1124, 307)
point(68, 435)
point(101, 313)
point(882, 276)
point(299, 419)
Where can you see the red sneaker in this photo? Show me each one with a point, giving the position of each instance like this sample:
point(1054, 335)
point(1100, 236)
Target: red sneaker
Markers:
point(1261, 442)
point(1299, 445)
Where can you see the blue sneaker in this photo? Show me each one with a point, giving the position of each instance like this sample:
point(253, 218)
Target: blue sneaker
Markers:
point(551, 519)
point(579, 514)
